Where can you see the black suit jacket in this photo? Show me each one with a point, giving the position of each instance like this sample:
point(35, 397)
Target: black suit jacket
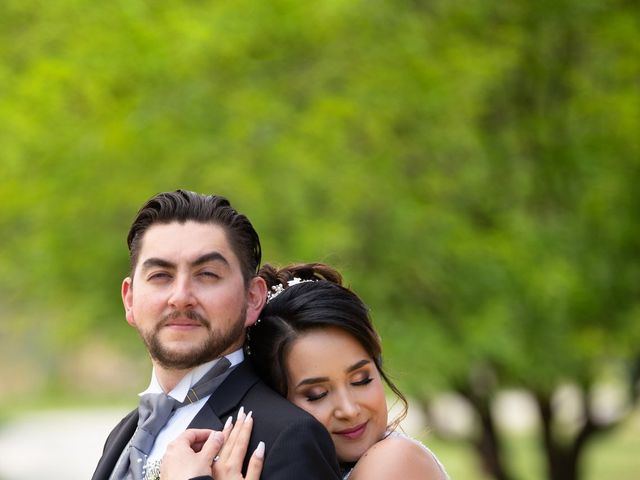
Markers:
point(297, 445)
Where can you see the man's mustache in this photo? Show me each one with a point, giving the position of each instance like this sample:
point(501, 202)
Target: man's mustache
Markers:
point(190, 314)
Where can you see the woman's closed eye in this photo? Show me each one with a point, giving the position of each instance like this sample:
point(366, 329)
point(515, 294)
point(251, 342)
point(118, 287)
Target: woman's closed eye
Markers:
point(364, 381)
point(315, 395)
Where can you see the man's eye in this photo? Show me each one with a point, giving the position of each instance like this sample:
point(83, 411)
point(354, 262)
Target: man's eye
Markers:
point(209, 274)
point(158, 276)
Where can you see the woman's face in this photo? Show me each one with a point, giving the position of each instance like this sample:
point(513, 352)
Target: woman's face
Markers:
point(332, 377)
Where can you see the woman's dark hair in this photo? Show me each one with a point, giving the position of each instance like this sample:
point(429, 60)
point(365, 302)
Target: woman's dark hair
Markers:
point(304, 307)
point(182, 206)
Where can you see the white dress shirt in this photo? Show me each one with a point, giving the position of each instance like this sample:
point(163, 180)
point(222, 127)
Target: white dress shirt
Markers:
point(183, 416)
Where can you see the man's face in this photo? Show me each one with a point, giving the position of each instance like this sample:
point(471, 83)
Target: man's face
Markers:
point(187, 298)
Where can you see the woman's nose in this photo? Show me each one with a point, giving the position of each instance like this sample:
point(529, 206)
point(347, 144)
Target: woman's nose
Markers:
point(347, 406)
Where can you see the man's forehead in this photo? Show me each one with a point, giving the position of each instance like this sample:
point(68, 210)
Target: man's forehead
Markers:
point(185, 241)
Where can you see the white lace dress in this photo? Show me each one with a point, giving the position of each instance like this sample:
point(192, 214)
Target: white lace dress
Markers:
point(413, 440)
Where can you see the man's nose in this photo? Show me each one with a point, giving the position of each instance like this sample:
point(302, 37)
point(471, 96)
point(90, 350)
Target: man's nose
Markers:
point(182, 294)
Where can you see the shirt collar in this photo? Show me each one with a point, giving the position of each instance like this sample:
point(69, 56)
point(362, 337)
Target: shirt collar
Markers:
point(180, 391)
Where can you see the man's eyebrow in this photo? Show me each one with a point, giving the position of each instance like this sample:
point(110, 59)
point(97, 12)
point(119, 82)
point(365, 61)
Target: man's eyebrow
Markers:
point(210, 257)
point(157, 262)
point(162, 263)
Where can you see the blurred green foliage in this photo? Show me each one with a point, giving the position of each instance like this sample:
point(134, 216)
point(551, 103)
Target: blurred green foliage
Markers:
point(472, 167)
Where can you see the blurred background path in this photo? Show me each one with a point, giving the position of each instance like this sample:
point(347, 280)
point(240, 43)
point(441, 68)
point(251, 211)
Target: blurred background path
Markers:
point(54, 445)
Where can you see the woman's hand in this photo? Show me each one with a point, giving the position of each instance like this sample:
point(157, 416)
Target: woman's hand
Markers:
point(191, 454)
point(228, 463)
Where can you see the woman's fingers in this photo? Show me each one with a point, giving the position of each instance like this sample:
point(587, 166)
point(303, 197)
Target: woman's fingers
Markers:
point(193, 453)
point(212, 446)
point(241, 440)
point(226, 430)
point(234, 431)
point(190, 454)
point(255, 463)
point(194, 437)
point(231, 458)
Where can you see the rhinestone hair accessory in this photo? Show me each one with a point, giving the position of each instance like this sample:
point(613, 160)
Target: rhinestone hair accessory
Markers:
point(278, 289)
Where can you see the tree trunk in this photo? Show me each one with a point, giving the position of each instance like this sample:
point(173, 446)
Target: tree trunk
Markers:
point(563, 457)
point(488, 444)
point(560, 464)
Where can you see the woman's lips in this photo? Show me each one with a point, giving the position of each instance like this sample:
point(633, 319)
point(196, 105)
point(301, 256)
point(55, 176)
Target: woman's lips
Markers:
point(354, 432)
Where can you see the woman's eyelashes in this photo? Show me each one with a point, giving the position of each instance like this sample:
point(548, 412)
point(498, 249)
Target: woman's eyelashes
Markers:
point(361, 377)
point(364, 381)
point(315, 395)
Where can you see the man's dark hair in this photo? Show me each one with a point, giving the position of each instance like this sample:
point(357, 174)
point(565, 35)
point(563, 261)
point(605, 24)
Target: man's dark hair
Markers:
point(182, 206)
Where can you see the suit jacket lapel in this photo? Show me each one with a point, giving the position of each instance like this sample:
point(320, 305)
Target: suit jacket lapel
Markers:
point(115, 445)
point(226, 398)
point(222, 403)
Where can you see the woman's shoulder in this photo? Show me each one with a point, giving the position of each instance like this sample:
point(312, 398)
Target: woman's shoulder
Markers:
point(398, 456)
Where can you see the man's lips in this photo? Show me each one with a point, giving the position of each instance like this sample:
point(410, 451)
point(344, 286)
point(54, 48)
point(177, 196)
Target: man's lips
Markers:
point(353, 432)
point(182, 323)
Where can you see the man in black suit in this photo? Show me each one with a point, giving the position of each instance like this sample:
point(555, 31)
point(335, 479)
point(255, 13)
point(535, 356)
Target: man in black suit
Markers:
point(191, 293)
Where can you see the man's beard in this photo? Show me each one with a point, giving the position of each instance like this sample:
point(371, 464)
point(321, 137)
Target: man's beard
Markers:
point(209, 349)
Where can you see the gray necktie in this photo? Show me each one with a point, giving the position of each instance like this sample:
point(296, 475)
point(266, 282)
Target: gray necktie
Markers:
point(154, 411)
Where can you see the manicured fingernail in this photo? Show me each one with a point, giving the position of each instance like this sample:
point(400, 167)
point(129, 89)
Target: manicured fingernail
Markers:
point(227, 424)
point(248, 416)
point(241, 411)
point(260, 450)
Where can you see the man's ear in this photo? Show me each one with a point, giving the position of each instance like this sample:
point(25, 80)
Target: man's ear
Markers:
point(127, 300)
point(256, 299)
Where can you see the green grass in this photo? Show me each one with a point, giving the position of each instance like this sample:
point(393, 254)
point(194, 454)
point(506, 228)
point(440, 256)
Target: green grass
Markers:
point(614, 455)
